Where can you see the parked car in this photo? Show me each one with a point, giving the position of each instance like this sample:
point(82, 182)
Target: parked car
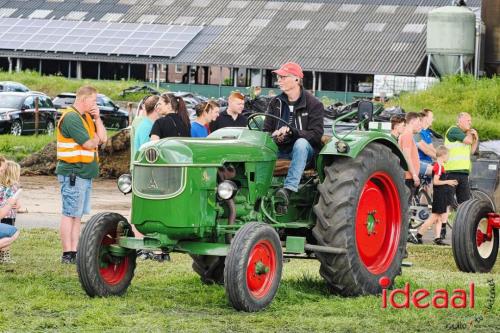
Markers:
point(13, 86)
point(111, 114)
point(191, 101)
point(17, 113)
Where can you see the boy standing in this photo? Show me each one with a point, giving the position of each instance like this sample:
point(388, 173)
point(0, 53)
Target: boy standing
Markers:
point(441, 198)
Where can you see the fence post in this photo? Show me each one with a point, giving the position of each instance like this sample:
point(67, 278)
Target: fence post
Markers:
point(130, 115)
point(37, 116)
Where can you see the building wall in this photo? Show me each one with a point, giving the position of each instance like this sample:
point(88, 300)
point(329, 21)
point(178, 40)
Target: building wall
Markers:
point(491, 17)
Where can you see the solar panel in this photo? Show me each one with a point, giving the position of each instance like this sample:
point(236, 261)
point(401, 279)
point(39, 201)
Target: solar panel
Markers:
point(95, 37)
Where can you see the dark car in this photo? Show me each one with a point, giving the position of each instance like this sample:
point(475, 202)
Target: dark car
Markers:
point(17, 113)
point(111, 114)
point(13, 86)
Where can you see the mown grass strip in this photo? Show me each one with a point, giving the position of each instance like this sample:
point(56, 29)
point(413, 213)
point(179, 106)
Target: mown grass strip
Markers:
point(40, 294)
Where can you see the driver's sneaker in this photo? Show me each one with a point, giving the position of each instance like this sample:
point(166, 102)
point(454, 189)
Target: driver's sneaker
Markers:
point(282, 197)
point(440, 241)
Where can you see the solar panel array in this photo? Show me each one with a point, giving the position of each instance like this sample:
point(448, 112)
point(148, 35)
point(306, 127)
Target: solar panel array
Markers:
point(95, 37)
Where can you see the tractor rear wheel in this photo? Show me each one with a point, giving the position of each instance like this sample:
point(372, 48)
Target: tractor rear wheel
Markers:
point(253, 267)
point(100, 272)
point(472, 251)
point(363, 208)
point(209, 268)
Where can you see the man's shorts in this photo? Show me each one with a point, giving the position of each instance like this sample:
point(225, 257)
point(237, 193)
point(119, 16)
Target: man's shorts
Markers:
point(75, 199)
point(7, 230)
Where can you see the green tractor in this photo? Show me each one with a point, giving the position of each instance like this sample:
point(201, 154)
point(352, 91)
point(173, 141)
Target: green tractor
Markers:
point(214, 199)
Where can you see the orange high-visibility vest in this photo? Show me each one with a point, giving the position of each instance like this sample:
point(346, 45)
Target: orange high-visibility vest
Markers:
point(68, 150)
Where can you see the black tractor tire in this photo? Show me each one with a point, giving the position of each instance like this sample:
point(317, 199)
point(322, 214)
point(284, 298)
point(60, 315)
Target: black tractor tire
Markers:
point(100, 273)
point(209, 268)
point(468, 257)
point(353, 190)
point(17, 127)
point(249, 286)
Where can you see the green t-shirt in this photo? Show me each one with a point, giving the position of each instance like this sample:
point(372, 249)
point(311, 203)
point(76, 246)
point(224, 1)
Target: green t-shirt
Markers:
point(72, 127)
point(456, 134)
point(135, 123)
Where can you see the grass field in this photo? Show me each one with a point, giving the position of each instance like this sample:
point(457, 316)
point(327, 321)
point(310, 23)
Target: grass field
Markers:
point(53, 85)
point(18, 147)
point(39, 294)
point(480, 98)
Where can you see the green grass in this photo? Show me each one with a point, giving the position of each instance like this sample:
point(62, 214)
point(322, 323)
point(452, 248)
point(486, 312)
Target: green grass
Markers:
point(18, 147)
point(39, 294)
point(480, 98)
point(53, 85)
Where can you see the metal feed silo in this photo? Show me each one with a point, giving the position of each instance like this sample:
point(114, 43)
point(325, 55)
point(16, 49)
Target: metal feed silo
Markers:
point(450, 39)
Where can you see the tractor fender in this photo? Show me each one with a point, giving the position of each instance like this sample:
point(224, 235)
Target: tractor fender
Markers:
point(357, 141)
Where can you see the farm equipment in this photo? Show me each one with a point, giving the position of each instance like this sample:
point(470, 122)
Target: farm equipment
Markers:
point(477, 221)
point(215, 199)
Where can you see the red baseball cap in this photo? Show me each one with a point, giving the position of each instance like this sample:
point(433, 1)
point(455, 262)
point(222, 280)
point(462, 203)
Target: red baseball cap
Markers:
point(290, 68)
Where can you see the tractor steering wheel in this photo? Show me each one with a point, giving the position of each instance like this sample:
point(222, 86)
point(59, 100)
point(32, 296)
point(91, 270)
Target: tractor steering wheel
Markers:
point(260, 126)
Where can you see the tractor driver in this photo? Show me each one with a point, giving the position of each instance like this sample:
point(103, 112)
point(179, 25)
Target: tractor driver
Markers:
point(298, 135)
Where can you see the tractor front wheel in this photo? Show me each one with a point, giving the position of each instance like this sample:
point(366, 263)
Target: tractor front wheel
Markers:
point(473, 251)
point(363, 208)
point(253, 267)
point(100, 272)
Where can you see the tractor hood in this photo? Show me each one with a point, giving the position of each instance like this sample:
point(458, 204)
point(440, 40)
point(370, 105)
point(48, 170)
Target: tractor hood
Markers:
point(221, 146)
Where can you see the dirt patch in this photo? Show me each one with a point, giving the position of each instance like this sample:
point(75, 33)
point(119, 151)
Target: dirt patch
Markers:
point(114, 158)
point(41, 201)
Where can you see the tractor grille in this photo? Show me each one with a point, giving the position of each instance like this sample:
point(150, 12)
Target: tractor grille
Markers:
point(158, 182)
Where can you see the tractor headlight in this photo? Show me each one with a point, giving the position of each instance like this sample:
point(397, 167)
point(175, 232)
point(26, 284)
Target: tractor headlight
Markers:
point(125, 183)
point(226, 190)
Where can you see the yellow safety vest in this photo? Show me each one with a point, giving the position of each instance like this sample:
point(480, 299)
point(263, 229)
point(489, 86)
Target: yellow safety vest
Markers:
point(458, 155)
point(68, 150)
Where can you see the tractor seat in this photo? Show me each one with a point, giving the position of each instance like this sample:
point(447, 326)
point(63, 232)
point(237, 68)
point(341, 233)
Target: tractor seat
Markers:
point(281, 169)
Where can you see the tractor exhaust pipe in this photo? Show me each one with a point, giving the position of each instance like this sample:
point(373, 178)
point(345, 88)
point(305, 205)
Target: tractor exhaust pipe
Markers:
point(231, 218)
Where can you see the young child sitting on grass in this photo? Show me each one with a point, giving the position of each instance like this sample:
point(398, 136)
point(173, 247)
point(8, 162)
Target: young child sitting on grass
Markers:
point(9, 185)
point(441, 198)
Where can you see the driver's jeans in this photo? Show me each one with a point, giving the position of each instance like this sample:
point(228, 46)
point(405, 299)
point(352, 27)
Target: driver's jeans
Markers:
point(301, 153)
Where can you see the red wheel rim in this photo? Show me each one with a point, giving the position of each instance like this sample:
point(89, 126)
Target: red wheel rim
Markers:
point(261, 268)
point(112, 272)
point(378, 223)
